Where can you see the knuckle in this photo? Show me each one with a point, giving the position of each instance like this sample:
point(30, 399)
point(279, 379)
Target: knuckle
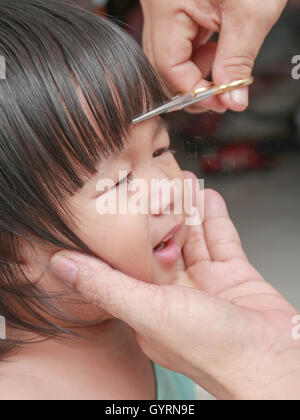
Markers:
point(231, 240)
point(219, 242)
point(274, 11)
point(265, 16)
point(241, 64)
point(195, 236)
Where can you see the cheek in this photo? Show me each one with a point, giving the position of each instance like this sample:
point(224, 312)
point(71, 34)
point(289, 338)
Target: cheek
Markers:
point(122, 241)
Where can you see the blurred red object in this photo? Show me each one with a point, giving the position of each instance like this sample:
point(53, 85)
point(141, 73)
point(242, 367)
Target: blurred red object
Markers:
point(134, 23)
point(235, 158)
point(96, 6)
point(100, 7)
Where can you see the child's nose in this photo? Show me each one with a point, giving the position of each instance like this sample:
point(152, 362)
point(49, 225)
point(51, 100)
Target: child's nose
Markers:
point(165, 196)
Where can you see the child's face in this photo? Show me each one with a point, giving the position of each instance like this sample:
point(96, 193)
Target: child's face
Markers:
point(127, 241)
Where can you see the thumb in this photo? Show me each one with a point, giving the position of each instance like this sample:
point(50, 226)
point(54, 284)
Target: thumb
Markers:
point(116, 293)
point(238, 46)
point(180, 328)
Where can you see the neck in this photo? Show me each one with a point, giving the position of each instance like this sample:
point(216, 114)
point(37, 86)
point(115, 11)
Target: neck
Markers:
point(82, 366)
point(111, 336)
point(106, 364)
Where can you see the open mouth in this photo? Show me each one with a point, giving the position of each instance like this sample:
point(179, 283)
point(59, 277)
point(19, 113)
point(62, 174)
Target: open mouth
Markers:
point(162, 245)
point(167, 251)
point(166, 239)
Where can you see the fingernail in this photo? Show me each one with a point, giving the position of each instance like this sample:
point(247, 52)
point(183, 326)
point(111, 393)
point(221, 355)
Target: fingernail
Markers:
point(64, 269)
point(240, 96)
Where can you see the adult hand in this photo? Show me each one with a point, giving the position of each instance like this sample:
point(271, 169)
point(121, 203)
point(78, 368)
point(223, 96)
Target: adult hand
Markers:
point(231, 332)
point(176, 34)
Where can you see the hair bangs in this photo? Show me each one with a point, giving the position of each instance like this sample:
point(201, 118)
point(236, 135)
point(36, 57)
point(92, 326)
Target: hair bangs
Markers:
point(72, 50)
point(74, 83)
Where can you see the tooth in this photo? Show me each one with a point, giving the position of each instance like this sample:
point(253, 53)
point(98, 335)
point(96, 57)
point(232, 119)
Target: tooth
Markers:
point(160, 246)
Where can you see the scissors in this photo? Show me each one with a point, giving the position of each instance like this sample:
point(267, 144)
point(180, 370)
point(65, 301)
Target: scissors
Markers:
point(182, 101)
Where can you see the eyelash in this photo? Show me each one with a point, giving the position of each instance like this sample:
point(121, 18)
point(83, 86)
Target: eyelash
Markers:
point(164, 150)
point(127, 179)
point(160, 151)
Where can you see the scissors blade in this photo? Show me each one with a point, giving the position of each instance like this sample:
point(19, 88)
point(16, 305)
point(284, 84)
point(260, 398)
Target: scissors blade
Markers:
point(174, 104)
point(183, 101)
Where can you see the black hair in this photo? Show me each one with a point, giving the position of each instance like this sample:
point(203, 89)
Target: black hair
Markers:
point(48, 147)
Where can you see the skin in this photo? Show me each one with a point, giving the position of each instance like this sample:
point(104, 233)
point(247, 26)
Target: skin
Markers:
point(133, 236)
point(234, 327)
point(110, 364)
point(176, 39)
point(252, 311)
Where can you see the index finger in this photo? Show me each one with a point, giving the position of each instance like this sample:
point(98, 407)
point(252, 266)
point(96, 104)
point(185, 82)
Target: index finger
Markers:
point(222, 239)
point(172, 52)
point(195, 249)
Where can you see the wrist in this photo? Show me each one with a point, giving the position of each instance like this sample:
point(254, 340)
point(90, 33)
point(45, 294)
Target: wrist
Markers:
point(273, 378)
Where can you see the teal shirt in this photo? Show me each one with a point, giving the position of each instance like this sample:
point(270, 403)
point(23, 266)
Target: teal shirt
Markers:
point(173, 386)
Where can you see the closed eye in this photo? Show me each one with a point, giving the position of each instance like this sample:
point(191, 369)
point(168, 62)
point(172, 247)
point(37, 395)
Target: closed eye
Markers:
point(127, 179)
point(157, 153)
point(163, 150)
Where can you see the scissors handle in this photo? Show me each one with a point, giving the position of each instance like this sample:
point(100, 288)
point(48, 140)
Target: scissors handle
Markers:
point(204, 93)
point(180, 102)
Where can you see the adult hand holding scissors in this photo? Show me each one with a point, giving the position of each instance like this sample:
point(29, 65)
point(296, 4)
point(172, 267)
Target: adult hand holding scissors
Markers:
point(176, 35)
point(230, 332)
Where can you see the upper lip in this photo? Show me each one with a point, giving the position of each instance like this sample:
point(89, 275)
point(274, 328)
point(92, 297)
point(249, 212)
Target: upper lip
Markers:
point(171, 232)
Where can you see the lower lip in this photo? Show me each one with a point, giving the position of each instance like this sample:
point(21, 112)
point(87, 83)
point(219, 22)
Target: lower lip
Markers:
point(170, 254)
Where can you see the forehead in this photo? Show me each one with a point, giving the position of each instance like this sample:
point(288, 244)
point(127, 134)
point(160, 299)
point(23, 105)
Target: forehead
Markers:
point(140, 136)
point(152, 126)
point(137, 137)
